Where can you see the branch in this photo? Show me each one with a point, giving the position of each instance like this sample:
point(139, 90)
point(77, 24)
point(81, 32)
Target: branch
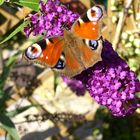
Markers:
point(120, 25)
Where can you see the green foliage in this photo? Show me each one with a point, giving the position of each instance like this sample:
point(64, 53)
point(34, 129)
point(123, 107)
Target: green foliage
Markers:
point(130, 50)
point(4, 75)
point(18, 111)
point(55, 81)
point(114, 128)
point(33, 4)
point(6, 70)
point(129, 45)
point(17, 30)
point(8, 125)
point(1, 2)
point(5, 121)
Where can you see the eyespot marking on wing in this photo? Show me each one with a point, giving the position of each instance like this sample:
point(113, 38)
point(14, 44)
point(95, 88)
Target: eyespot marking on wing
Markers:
point(88, 25)
point(93, 44)
point(61, 62)
point(33, 51)
point(95, 13)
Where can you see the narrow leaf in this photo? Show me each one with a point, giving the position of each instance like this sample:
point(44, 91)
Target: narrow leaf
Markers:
point(8, 125)
point(18, 111)
point(55, 81)
point(33, 4)
point(3, 77)
point(18, 29)
point(1, 2)
point(9, 137)
point(3, 98)
point(8, 65)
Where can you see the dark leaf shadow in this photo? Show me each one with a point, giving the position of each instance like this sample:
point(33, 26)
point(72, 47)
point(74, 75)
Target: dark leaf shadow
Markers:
point(41, 135)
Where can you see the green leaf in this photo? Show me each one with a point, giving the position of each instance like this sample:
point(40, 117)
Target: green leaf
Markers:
point(8, 65)
point(8, 137)
point(37, 38)
point(6, 70)
point(8, 125)
point(1, 2)
point(33, 4)
point(3, 98)
point(18, 29)
point(55, 81)
point(18, 111)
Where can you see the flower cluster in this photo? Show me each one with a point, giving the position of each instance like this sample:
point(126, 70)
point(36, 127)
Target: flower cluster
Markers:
point(51, 19)
point(111, 83)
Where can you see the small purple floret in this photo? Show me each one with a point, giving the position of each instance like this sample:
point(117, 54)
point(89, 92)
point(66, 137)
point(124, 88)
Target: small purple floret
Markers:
point(75, 85)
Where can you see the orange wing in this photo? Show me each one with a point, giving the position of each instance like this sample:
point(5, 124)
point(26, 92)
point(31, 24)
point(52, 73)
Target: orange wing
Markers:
point(88, 25)
point(46, 52)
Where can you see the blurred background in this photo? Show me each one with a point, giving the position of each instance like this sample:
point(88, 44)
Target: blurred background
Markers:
point(38, 104)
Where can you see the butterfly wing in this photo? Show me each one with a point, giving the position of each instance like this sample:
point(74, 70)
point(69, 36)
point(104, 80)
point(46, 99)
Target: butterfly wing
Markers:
point(88, 25)
point(46, 52)
point(91, 52)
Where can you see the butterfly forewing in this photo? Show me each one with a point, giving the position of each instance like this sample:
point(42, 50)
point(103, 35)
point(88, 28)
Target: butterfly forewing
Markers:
point(88, 25)
point(51, 50)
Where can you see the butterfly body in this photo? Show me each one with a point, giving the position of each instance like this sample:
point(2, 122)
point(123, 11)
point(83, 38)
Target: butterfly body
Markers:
point(75, 51)
point(78, 56)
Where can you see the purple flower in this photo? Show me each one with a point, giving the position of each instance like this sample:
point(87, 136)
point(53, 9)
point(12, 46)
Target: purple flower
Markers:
point(111, 83)
point(75, 85)
point(27, 30)
point(51, 19)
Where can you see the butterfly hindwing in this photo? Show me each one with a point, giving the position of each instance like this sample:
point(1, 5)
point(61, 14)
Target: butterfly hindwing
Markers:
point(91, 53)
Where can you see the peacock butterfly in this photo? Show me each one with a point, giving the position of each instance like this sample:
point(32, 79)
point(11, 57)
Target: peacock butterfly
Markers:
point(75, 51)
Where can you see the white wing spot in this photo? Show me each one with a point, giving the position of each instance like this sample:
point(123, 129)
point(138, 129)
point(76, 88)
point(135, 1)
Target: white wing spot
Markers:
point(80, 20)
point(98, 13)
point(94, 23)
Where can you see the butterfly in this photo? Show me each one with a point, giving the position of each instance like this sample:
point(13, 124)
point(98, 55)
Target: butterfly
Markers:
point(75, 51)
